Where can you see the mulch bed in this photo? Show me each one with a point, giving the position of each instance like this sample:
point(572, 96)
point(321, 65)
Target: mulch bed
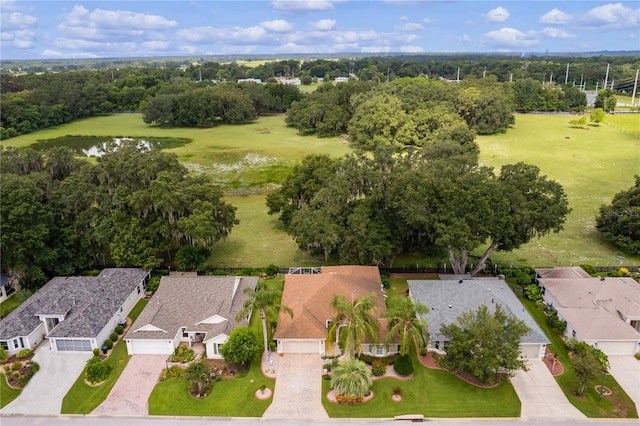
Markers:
point(429, 361)
point(556, 370)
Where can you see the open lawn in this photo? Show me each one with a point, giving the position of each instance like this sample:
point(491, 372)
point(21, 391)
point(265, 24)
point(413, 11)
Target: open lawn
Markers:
point(8, 306)
point(82, 398)
point(434, 393)
point(7, 393)
point(625, 122)
point(618, 404)
point(592, 165)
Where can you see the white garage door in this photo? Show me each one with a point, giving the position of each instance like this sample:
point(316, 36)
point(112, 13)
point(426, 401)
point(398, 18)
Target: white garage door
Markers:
point(301, 347)
point(617, 348)
point(151, 347)
point(530, 350)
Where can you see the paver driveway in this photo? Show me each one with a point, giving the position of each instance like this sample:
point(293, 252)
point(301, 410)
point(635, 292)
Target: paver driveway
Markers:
point(540, 395)
point(298, 392)
point(626, 371)
point(130, 395)
point(46, 389)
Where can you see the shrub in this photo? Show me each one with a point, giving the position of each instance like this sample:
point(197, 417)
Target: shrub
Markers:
point(397, 390)
point(624, 271)
point(271, 270)
point(33, 369)
point(637, 355)
point(326, 377)
point(173, 372)
point(378, 368)
point(615, 274)
point(344, 399)
point(219, 272)
point(113, 336)
point(24, 353)
point(16, 366)
point(589, 269)
point(533, 292)
point(385, 281)
point(153, 283)
point(96, 352)
point(403, 366)
point(182, 354)
point(3, 355)
point(119, 329)
point(389, 359)
point(108, 343)
point(97, 371)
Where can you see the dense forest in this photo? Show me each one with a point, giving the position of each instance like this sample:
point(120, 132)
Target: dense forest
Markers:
point(32, 101)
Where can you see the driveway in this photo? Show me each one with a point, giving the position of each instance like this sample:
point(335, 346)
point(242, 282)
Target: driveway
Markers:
point(540, 395)
point(46, 389)
point(626, 371)
point(298, 392)
point(130, 395)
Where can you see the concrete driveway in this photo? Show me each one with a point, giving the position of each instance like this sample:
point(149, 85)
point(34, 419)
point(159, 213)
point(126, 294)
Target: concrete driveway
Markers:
point(540, 395)
point(298, 392)
point(130, 395)
point(626, 371)
point(46, 389)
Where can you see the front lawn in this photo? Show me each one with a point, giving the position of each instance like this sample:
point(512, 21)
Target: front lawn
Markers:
point(8, 306)
point(618, 404)
point(7, 393)
point(433, 393)
point(82, 398)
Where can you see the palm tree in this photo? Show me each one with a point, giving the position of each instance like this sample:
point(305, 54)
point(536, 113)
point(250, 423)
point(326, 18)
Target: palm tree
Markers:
point(267, 301)
point(351, 378)
point(198, 372)
point(355, 320)
point(405, 323)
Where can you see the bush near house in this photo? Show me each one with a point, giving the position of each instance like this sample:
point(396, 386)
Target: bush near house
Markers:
point(403, 366)
point(119, 329)
point(24, 353)
point(378, 367)
point(182, 354)
point(97, 371)
point(113, 336)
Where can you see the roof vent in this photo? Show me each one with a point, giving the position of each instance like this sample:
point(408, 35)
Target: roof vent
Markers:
point(450, 306)
point(460, 282)
point(601, 278)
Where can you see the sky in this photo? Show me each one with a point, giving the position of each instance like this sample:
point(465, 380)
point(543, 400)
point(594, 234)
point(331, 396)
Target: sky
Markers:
point(145, 28)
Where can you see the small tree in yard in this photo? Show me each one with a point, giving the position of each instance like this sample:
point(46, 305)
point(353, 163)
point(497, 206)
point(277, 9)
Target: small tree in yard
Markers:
point(198, 372)
point(241, 347)
point(352, 379)
point(405, 324)
point(485, 345)
point(586, 367)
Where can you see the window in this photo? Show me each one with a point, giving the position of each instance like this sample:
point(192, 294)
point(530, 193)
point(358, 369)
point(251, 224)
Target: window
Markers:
point(4, 344)
point(216, 348)
point(139, 290)
point(437, 344)
point(15, 343)
point(573, 333)
point(379, 350)
point(21, 343)
point(184, 332)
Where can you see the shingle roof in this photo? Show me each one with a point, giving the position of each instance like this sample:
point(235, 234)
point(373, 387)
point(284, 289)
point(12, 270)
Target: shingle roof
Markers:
point(448, 299)
point(188, 301)
point(88, 303)
point(309, 296)
point(608, 299)
point(562, 272)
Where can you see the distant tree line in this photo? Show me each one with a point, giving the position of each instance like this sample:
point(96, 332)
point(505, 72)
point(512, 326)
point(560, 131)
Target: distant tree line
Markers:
point(48, 98)
point(133, 207)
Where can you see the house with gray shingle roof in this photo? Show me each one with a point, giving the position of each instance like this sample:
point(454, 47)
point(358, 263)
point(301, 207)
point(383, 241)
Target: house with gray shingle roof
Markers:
point(190, 309)
point(76, 314)
point(450, 296)
point(604, 312)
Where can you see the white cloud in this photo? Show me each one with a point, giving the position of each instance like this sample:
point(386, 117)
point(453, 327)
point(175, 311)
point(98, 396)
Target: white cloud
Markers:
point(464, 38)
point(375, 49)
point(611, 16)
point(278, 25)
point(304, 5)
point(323, 25)
point(404, 18)
point(121, 19)
point(409, 26)
point(8, 5)
point(411, 49)
point(499, 14)
point(555, 17)
point(509, 37)
point(557, 33)
point(295, 48)
point(16, 20)
point(22, 39)
point(235, 35)
point(427, 20)
point(156, 45)
point(51, 53)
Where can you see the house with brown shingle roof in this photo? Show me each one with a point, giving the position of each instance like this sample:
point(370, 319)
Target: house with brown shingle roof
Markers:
point(309, 296)
point(604, 312)
point(190, 309)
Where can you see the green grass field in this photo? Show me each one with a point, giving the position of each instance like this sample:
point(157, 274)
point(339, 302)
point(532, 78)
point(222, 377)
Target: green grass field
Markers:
point(629, 123)
point(433, 393)
point(7, 393)
point(592, 164)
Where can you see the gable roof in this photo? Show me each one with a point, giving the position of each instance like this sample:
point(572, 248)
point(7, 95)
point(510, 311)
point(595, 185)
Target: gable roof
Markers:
point(447, 299)
point(309, 297)
point(207, 304)
point(88, 303)
point(610, 300)
point(562, 272)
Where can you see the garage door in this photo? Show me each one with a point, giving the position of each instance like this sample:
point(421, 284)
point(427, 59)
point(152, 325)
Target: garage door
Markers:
point(73, 345)
point(531, 350)
point(301, 347)
point(150, 347)
point(617, 348)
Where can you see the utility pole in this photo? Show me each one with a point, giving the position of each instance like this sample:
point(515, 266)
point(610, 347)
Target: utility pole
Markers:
point(606, 77)
point(458, 77)
point(566, 75)
point(484, 73)
point(635, 85)
point(550, 78)
point(510, 77)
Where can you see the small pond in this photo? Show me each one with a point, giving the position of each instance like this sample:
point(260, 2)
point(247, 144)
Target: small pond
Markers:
point(93, 146)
